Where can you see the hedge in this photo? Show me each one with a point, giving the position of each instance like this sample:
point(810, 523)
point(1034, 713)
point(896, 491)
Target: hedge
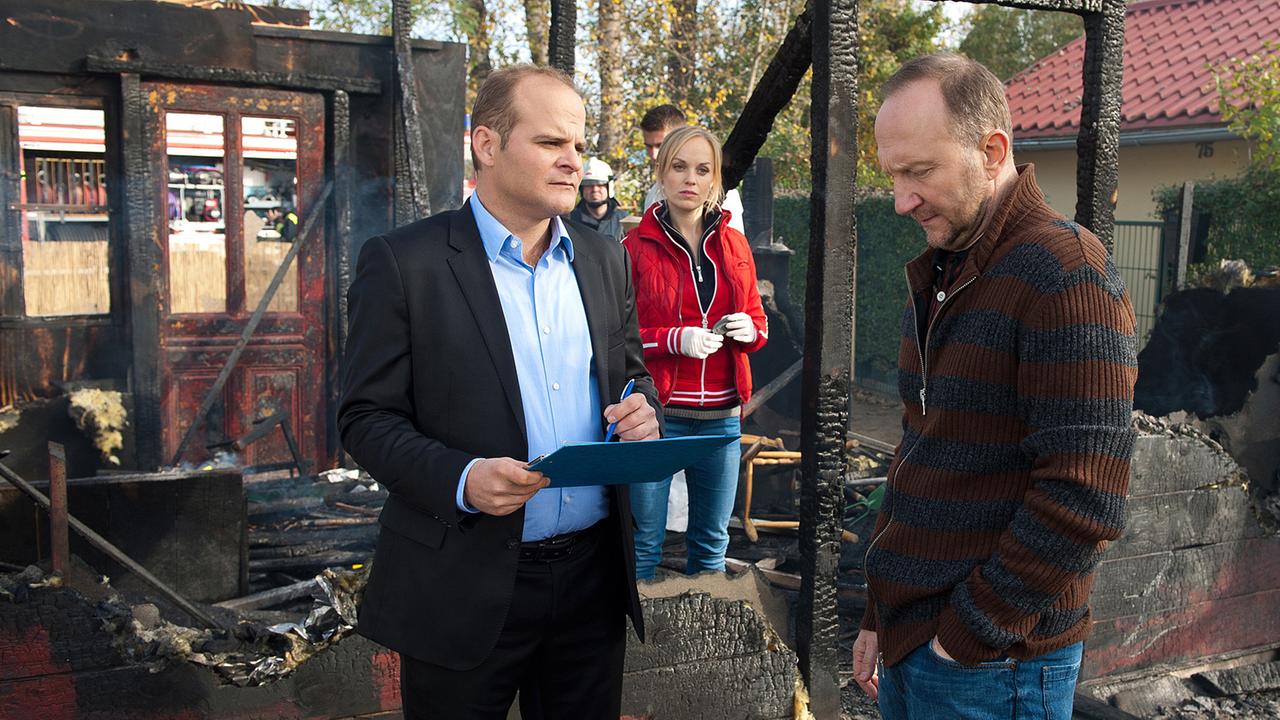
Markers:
point(886, 241)
point(1243, 215)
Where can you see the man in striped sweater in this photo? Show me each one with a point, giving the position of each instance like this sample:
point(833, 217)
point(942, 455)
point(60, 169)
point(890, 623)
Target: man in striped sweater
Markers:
point(1016, 369)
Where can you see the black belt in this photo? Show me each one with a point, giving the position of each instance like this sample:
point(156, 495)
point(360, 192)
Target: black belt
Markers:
point(554, 548)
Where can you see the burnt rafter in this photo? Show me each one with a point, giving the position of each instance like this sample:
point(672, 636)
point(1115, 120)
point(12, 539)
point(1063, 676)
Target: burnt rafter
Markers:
point(771, 95)
point(415, 155)
point(560, 47)
point(204, 73)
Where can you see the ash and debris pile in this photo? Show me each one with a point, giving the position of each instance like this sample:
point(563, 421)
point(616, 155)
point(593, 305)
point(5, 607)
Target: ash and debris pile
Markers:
point(1255, 706)
point(299, 526)
point(250, 652)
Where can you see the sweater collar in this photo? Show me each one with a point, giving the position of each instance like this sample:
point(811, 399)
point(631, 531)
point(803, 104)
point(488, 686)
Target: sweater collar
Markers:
point(1023, 196)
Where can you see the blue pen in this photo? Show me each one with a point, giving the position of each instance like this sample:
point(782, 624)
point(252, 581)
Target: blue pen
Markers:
point(626, 391)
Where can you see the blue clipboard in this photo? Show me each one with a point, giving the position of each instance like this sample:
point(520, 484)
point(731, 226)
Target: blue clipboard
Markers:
point(619, 463)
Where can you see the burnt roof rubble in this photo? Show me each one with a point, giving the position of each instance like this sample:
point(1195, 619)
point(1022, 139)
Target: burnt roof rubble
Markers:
point(251, 652)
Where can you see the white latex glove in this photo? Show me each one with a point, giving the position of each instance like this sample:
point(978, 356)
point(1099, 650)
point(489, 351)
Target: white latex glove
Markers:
point(696, 342)
point(740, 327)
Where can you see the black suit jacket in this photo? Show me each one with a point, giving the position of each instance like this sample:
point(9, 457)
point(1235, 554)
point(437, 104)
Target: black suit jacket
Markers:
point(430, 384)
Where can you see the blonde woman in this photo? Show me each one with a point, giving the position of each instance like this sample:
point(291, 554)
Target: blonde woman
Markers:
point(700, 314)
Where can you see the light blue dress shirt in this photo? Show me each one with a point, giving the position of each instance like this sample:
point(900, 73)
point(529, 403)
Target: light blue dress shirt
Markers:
point(551, 342)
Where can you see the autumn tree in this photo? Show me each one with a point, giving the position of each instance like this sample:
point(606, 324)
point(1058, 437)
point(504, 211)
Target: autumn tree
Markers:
point(1007, 40)
point(1249, 99)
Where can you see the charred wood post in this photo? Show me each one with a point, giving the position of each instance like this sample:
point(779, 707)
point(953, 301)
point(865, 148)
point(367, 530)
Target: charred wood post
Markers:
point(11, 299)
point(564, 21)
point(828, 343)
point(1098, 145)
point(343, 187)
point(59, 542)
point(415, 158)
point(769, 97)
point(145, 259)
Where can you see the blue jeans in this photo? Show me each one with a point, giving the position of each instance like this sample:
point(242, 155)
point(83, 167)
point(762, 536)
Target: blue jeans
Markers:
point(713, 485)
point(925, 685)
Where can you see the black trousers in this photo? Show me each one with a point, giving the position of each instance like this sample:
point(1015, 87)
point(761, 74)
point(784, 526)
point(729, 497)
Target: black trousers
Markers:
point(561, 647)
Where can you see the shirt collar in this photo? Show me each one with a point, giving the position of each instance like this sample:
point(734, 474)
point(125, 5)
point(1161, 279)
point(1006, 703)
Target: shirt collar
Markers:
point(495, 236)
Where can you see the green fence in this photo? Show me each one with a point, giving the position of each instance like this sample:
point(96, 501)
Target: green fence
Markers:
point(1139, 257)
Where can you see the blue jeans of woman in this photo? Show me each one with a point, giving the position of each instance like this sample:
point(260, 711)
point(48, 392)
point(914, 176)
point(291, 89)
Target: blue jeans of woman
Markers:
point(713, 485)
point(926, 685)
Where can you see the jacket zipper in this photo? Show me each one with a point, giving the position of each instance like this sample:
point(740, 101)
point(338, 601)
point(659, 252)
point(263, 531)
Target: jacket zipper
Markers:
point(703, 380)
point(924, 382)
point(695, 271)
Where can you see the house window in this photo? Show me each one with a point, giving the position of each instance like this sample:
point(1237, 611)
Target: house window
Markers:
point(63, 207)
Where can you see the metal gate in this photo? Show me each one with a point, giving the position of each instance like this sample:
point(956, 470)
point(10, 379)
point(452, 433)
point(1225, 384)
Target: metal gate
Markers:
point(1139, 256)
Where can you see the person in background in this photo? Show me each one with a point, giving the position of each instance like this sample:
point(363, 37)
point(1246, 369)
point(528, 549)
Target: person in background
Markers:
point(598, 209)
point(700, 314)
point(654, 126)
point(285, 223)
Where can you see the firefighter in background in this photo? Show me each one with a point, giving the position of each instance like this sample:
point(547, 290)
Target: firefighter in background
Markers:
point(597, 209)
point(285, 223)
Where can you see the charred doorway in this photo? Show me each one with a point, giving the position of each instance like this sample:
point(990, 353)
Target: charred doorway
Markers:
point(239, 172)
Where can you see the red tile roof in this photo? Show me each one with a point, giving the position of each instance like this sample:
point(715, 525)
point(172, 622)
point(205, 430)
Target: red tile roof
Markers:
point(1170, 47)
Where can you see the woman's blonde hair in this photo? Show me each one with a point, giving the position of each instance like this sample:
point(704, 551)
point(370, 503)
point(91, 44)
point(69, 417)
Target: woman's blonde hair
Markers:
point(677, 139)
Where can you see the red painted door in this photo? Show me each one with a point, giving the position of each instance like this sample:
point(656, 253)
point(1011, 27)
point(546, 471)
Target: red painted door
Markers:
point(239, 171)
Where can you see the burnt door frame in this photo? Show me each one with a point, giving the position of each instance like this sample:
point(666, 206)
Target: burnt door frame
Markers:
point(288, 347)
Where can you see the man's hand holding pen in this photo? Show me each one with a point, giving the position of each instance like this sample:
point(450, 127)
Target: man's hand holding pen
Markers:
point(633, 418)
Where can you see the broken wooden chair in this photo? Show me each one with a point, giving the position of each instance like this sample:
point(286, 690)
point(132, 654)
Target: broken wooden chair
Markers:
point(754, 455)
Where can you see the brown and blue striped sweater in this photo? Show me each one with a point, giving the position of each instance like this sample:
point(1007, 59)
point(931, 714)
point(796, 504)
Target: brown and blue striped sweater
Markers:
point(1014, 464)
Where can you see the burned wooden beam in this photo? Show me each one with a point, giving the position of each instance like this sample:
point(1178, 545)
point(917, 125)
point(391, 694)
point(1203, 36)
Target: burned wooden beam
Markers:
point(561, 43)
point(146, 282)
point(1098, 144)
point(204, 73)
point(766, 393)
point(339, 256)
point(267, 598)
point(415, 159)
point(828, 341)
point(59, 542)
point(11, 300)
point(771, 95)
